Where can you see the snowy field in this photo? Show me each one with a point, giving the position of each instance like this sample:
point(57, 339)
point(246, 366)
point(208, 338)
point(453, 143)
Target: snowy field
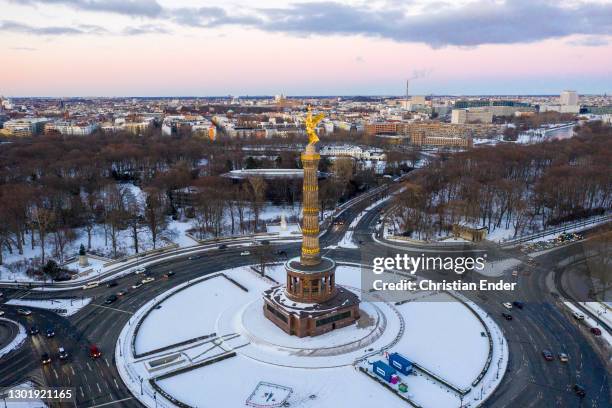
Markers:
point(63, 307)
point(442, 335)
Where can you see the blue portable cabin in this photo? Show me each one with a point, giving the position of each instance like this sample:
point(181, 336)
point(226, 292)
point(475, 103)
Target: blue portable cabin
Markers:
point(383, 370)
point(401, 363)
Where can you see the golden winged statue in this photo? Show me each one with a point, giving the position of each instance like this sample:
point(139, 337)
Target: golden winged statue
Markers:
point(311, 125)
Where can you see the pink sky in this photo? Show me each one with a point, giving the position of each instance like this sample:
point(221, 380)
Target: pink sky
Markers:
point(242, 60)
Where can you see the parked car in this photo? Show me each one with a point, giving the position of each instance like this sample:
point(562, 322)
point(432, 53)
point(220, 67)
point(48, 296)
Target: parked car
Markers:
point(548, 356)
point(518, 304)
point(507, 305)
point(91, 285)
point(111, 284)
point(578, 316)
point(50, 332)
point(94, 352)
point(245, 253)
point(140, 270)
point(33, 330)
point(136, 285)
point(24, 312)
point(110, 299)
point(148, 279)
point(579, 390)
point(62, 353)
point(563, 358)
point(507, 316)
point(45, 358)
point(596, 331)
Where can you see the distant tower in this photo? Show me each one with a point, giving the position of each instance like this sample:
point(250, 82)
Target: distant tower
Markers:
point(407, 85)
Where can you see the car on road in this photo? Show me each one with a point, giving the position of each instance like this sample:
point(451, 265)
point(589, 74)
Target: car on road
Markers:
point(1, 294)
point(122, 292)
point(507, 316)
point(507, 305)
point(33, 330)
point(579, 390)
point(94, 352)
point(112, 284)
point(578, 316)
point(222, 246)
point(140, 270)
point(110, 299)
point(136, 285)
point(245, 253)
point(50, 332)
point(45, 358)
point(62, 353)
point(24, 312)
point(148, 279)
point(596, 331)
point(194, 257)
point(91, 285)
point(563, 358)
point(1, 312)
point(548, 356)
point(169, 274)
point(518, 304)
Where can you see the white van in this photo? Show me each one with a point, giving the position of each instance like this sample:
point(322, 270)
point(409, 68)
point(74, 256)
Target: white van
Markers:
point(90, 285)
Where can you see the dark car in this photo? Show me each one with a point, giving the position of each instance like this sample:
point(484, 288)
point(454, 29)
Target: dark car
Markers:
point(507, 316)
point(50, 332)
point(596, 331)
point(579, 390)
point(265, 242)
point(62, 353)
point(518, 304)
point(34, 330)
point(548, 356)
point(222, 246)
point(110, 299)
point(45, 358)
point(169, 274)
point(111, 284)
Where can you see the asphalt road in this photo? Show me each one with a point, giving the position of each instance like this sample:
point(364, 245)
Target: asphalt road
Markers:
point(530, 382)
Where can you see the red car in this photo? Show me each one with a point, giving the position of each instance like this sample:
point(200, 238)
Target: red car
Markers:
point(94, 352)
point(596, 331)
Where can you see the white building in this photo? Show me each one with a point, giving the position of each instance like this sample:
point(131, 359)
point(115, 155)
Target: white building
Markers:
point(569, 98)
point(355, 152)
point(71, 128)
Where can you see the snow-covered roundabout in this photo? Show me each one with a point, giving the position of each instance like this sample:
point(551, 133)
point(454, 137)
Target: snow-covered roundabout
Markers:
point(206, 343)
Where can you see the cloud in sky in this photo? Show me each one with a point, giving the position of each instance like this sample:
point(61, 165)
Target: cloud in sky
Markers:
point(16, 27)
point(142, 8)
point(435, 24)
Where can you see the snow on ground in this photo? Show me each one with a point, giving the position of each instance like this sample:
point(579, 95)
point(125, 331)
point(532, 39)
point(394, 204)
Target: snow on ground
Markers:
point(442, 335)
point(460, 359)
point(590, 322)
point(17, 341)
point(63, 307)
point(22, 403)
point(292, 230)
point(347, 239)
point(203, 302)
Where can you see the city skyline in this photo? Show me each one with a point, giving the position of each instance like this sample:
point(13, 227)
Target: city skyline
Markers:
point(162, 48)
